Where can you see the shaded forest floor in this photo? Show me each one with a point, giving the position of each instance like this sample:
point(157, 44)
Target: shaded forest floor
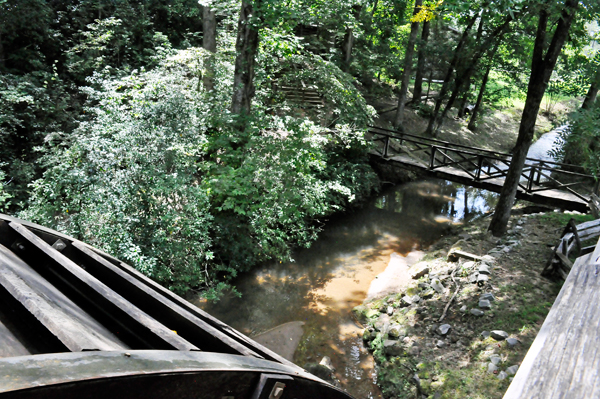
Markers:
point(497, 129)
point(416, 359)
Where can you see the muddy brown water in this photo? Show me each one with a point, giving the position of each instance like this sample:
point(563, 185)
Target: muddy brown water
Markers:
point(326, 281)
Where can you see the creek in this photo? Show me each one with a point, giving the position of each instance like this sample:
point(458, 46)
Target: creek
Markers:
point(327, 280)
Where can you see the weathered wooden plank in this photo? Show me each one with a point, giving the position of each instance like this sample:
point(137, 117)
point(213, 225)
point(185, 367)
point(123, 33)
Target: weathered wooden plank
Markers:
point(63, 318)
point(565, 261)
point(106, 298)
point(186, 324)
point(10, 345)
point(564, 359)
point(262, 350)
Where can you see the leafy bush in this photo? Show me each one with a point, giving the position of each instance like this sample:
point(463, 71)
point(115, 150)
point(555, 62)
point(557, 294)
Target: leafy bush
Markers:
point(161, 177)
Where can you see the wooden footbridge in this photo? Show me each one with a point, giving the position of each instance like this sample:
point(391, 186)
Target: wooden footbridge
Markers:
point(542, 182)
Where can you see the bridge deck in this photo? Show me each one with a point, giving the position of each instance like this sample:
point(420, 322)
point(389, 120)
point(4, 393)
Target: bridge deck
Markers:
point(557, 198)
point(564, 359)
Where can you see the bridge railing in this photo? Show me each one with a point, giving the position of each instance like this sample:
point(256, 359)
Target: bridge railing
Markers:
point(480, 164)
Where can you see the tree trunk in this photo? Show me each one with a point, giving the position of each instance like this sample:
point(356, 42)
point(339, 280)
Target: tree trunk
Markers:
point(590, 97)
point(541, 69)
point(2, 60)
point(408, 57)
point(465, 100)
point(348, 43)
point(460, 80)
point(347, 48)
point(446, 85)
point(418, 89)
point(209, 42)
point(246, 47)
point(484, 81)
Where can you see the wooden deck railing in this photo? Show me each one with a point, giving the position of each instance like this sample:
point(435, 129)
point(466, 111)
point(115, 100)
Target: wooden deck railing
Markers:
point(570, 247)
point(480, 164)
point(564, 359)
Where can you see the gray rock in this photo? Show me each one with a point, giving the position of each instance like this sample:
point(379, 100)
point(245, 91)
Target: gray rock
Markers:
point(473, 277)
point(463, 308)
point(506, 249)
point(512, 370)
point(414, 350)
point(482, 279)
point(512, 342)
point(477, 312)
point(440, 343)
point(428, 293)
point(485, 334)
point(392, 348)
point(495, 360)
point(485, 304)
point(488, 296)
point(410, 300)
point(468, 265)
point(419, 270)
point(326, 361)
point(396, 331)
point(423, 286)
point(502, 375)
point(390, 310)
point(492, 367)
point(437, 286)
point(487, 259)
point(484, 269)
point(443, 329)
point(499, 335)
point(381, 322)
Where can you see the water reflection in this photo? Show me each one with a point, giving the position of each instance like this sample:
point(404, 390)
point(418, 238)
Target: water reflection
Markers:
point(327, 280)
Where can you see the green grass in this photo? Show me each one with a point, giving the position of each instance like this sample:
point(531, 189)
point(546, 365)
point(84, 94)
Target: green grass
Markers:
point(563, 218)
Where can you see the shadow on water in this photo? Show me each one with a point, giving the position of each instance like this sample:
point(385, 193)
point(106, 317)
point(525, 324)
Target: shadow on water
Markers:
point(327, 280)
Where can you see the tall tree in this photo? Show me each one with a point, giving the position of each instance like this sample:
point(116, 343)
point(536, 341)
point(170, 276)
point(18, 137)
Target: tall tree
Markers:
point(418, 89)
point(590, 97)
point(542, 66)
point(348, 43)
point(476, 108)
point(433, 121)
point(246, 46)
point(209, 42)
point(408, 59)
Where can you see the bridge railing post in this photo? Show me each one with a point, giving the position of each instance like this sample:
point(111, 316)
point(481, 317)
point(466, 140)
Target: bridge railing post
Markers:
point(479, 166)
point(539, 175)
point(386, 146)
point(531, 177)
point(432, 159)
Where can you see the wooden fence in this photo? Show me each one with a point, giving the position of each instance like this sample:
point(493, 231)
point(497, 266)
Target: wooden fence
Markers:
point(480, 164)
point(570, 247)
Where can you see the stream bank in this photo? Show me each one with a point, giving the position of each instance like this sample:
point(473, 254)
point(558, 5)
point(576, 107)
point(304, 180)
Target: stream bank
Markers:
point(488, 326)
point(317, 292)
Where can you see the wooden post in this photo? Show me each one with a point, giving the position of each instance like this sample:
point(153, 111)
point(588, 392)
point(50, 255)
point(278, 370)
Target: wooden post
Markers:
point(386, 146)
point(432, 159)
point(479, 166)
point(531, 176)
point(539, 175)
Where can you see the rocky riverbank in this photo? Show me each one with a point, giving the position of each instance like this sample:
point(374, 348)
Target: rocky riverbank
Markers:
point(462, 326)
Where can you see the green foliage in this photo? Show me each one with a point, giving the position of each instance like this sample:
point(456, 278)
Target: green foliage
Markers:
point(4, 196)
point(160, 177)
